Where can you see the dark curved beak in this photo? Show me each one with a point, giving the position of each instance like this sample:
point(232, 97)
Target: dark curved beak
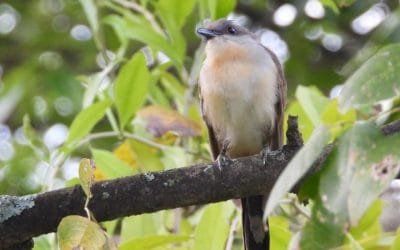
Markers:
point(206, 33)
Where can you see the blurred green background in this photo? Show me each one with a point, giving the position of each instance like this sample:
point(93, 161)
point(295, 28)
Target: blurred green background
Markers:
point(59, 57)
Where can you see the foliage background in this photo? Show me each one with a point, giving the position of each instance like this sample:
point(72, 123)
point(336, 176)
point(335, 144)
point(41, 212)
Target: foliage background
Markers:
point(132, 66)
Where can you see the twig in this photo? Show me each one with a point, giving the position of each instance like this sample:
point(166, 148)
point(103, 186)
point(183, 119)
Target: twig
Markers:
point(232, 231)
point(148, 15)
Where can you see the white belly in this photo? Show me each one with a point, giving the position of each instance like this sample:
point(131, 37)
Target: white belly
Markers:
point(239, 102)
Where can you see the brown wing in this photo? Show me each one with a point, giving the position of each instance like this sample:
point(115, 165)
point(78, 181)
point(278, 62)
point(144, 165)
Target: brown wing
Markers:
point(215, 149)
point(277, 134)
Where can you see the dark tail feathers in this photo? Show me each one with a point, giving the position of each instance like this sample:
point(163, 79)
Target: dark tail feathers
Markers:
point(254, 233)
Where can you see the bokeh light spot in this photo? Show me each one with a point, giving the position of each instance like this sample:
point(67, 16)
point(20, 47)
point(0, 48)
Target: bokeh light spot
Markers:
point(314, 9)
point(81, 32)
point(285, 15)
point(8, 18)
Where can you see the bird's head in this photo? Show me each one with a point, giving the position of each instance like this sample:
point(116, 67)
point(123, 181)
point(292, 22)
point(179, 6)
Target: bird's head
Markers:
point(223, 29)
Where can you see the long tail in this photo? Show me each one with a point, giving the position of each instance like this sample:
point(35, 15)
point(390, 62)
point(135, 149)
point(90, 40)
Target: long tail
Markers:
point(254, 233)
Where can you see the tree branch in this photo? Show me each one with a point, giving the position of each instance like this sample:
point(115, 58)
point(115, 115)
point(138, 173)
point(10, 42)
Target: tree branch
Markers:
point(22, 218)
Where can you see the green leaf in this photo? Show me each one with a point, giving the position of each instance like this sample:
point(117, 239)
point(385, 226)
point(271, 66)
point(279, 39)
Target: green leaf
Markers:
point(216, 9)
point(131, 87)
point(369, 223)
point(306, 127)
point(78, 232)
point(358, 170)
point(297, 167)
point(157, 95)
point(174, 157)
point(377, 79)
point(139, 29)
point(153, 241)
point(42, 243)
point(396, 242)
point(173, 18)
point(91, 13)
point(223, 7)
point(148, 157)
point(168, 11)
point(213, 229)
point(140, 226)
point(86, 119)
point(323, 231)
point(279, 232)
point(337, 121)
point(331, 4)
point(312, 101)
point(110, 165)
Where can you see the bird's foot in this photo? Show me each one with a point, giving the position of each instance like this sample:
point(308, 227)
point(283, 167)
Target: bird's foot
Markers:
point(223, 161)
point(266, 155)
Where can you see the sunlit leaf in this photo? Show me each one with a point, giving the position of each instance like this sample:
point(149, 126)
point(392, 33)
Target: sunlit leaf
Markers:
point(109, 165)
point(331, 4)
point(79, 232)
point(396, 242)
point(306, 127)
point(213, 229)
point(280, 234)
point(160, 120)
point(337, 120)
point(369, 224)
point(140, 226)
point(297, 167)
point(153, 241)
point(312, 101)
point(377, 79)
point(86, 119)
point(42, 243)
point(86, 175)
point(131, 87)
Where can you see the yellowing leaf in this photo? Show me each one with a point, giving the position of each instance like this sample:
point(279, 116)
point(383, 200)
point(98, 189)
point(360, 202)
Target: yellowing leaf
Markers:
point(75, 232)
point(109, 165)
point(159, 120)
point(125, 153)
point(148, 157)
point(86, 175)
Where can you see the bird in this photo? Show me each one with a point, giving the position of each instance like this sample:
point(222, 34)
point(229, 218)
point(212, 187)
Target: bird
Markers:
point(242, 97)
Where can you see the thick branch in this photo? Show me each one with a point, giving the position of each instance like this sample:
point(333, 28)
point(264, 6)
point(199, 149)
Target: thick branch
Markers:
point(22, 218)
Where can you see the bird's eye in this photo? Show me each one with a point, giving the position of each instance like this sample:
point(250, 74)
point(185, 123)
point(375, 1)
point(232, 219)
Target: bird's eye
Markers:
point(231, 30)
